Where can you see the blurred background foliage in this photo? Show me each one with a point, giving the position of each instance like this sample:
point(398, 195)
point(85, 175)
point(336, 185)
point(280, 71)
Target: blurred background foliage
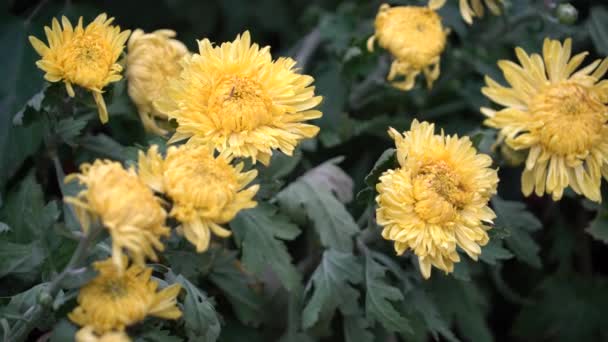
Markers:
point(541, 278)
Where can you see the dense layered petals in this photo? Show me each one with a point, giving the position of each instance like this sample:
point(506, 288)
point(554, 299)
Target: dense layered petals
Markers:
point(206, 190)
point(87, 334)
point(557, 116)
point(437, 200)
point(415, 37)
point(117, 299)
point(240, 101)
point(125, 206)
point(152, 60)
point(82, 56)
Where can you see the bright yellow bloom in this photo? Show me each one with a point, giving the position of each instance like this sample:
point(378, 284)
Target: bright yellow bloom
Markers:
point(474, 8)
point(116, 299)
point(85, 56)
point(206, 191)
point(87, 334)
point(437, 199)
point(415, 37)
point(125, 206)
point(557, 115)
point(152, 60)
point(236, 98)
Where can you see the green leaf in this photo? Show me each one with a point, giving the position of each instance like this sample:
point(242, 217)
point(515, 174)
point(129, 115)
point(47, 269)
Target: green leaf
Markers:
point(599, 226)
point(598, 16)
point(520, 223)
point(493, 252)
point(20, 258)
point(69, 129)
point(387, 160)
point(256, 231)
point(237, 287)
point(26, 213)
point(419, 301)
point(107, 147)
point(356, 329)
point(303, 199)
point(330, 287)
point(381, 296)
point(157, 335)
point(202, 322)
point(63, 331)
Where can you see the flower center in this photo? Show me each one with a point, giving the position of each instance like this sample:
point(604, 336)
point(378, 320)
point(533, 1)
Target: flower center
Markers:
point(199, 181)
point(413, 34)
point(88, 59)
point(571, 118)
point(240, 104)
point(439, 193)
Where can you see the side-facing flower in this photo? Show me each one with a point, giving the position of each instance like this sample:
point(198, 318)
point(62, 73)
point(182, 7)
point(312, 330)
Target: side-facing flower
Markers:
point(84, 56)
point(557, 115)
point(470, 9)
point(125, 206)
point(236, 98)
point(152, 60)
point(115, 299)
point(206, 191)
point(87, 334)
point(415, 37)
point(437, 200)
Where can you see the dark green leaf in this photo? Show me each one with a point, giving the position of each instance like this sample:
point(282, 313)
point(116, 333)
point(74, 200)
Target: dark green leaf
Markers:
point(256, 231)
point(598, 16)
point(599, 226)
point(238, 288)
point(157, 335)
point(381, 296)
point(387, 160)
point(356, 329)
point(330, 286)
point(69, 129)
point(64, 331)
point(520, 223)
point(493, 252)
point(20, 258)
point(202, 322)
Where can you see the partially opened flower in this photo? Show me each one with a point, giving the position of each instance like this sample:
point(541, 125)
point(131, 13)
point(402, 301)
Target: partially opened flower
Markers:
point(125, 206)
point(152, 60)
point(206, 190)
point(237, 99)
point(557, 115)
point(116, 299)
point(437, 200)
point(84, 56)
point(87, 334)
point(415, 37)
point(470, 9)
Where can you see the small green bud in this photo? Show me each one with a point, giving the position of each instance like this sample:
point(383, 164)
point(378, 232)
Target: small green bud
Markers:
point(567, 14)
point(45, 299)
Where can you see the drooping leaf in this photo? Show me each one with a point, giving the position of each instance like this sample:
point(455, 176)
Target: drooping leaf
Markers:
point(330, 287)
point(520, 223)
point(257, 232)
point(381, 298)
point(202, 322)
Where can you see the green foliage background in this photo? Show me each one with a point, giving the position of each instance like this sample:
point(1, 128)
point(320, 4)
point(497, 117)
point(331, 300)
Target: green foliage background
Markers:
point(307, 264)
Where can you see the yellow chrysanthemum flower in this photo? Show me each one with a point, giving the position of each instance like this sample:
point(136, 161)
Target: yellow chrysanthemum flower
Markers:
point(557, 115)
point(206, 191)
point(126, 207)
point(437, 199)
point(84, 56)
point(87, 334)
point(470, 9)
point(415, 37)
point(116, 299)
point(236, 98)
point(152, 60)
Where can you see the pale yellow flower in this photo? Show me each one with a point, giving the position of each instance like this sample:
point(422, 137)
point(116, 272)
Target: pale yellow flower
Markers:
point(125, 206)
point(206, 191)
point(152, 60)
point(470, 9)
point(237, 99)
point(437, 200)
point(557, 115)
point(84, 56)
point(116, 299)
point(415, 37)
point(87, 334)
